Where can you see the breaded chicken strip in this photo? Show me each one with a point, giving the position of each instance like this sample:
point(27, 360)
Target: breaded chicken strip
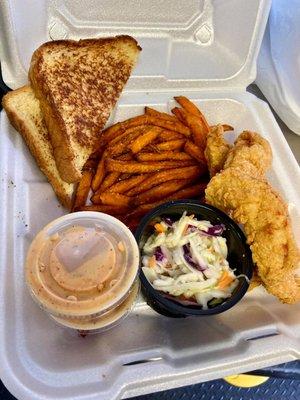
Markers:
point(250, 152)
point(241, 191)
point(216, 150)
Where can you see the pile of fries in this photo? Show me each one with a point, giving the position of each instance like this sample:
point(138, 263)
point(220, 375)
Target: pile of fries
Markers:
point(145, 161)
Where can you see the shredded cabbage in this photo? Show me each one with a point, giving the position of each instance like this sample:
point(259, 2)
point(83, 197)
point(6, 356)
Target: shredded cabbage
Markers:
point(189, 260)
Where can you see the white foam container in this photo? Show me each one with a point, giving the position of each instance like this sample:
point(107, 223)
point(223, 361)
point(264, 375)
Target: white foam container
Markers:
point(206, 50)
point(278, 62)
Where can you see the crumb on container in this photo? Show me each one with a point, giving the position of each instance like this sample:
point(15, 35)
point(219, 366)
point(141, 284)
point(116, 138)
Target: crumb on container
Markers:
point(72, 298)
point(121, 246)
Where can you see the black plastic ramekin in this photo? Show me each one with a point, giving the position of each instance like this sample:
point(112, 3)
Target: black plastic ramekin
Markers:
point(239, 256)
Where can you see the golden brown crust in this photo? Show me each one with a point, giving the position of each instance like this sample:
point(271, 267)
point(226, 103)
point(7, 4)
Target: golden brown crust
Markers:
point(60, 143)
point(20, 125)
point(78, 83)
point(84, 42)
point(242, 191)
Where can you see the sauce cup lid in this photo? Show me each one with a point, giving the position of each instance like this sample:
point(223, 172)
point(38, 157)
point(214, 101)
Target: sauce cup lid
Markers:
point(82, 265)
point(108, 320)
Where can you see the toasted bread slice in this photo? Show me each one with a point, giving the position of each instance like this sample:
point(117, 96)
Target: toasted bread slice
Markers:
point(78, 84)
point(24, 112)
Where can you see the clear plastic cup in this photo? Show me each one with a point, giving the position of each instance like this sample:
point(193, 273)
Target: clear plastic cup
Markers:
point(81, 269)
point(106, 321)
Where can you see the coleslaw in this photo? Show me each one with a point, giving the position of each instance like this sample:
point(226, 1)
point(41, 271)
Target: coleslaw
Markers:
point(186, 260)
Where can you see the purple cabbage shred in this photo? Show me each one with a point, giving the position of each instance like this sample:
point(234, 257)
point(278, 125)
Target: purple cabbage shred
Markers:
point(159, 255)
point(216, 230)
point(192, 228)
point(189, 259)
point(167, 221)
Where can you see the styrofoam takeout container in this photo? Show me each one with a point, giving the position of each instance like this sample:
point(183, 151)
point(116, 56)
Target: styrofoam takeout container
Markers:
point(203, 49)
point(278, 62)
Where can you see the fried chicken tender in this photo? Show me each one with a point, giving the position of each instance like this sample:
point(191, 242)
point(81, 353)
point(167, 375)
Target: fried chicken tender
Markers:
point(241, 191)
point(250, 152)
point(216, 150)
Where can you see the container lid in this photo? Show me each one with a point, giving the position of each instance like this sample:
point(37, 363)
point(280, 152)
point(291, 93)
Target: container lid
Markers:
point(107, 321)
point(278, 62)
point(192, 44)
point(82, 265)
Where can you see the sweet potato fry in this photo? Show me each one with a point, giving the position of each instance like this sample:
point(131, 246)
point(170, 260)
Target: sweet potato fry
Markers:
point(127, 184)
point(124, 176)
point(164, 155)
point(97, 153)
point(176, 144)
point(121, 187)
point(145, 161)
point(170, 125)
point(108, 209)
point(119, 128)
point(83, 189)
point(126, 132)
point(141, 210)
point(121, 146)
point(90, 165)
point(154, 113)
point(144, 139)
point(165, 176)
point(166, 135)
point(108, 181)
point(115, 199)
point(198, 128)
point(191, 108)
point(175, 163)
point(93, 160)
point(95, 198)
point(125, 157)
point(100, 173)
point(189, 192)
point(113, 132)
point(160, 191)
point(178, 113)
point(195, 152)
point(134, 167)
point(188, 105)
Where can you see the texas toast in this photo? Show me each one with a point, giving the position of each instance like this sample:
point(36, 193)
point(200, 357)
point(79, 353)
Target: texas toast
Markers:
point(24, 112)
point(78, 83)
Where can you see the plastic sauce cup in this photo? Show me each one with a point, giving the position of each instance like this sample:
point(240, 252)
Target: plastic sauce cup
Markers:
point(82, 270)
